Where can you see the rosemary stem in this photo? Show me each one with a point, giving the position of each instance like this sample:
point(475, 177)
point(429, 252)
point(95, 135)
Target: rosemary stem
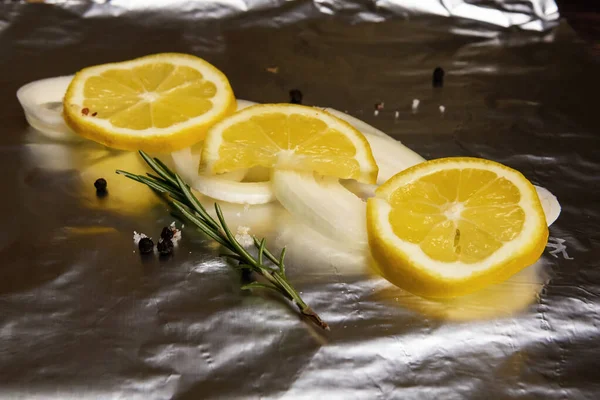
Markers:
point(189, 206)
point(302, 306)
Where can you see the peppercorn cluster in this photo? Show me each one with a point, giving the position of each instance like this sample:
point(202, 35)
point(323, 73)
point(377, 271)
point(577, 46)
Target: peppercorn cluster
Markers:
point(165, 243)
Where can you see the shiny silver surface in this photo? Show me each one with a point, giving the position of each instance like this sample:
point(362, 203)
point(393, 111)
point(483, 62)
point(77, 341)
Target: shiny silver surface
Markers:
point(83, 316)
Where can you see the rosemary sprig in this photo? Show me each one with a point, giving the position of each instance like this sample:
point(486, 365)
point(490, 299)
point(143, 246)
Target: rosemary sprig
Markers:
point(183, 200)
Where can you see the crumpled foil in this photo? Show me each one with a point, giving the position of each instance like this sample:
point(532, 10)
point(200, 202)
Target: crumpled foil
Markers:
point(534, 15)
point(83, 316)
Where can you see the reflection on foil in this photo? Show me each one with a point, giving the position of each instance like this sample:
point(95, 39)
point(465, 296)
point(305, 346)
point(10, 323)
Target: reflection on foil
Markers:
point(501, 300)
point(88, 162)
point(535, 15)
point(319, 255)
point(84, 317)
point(88, 230)
point(532, 15)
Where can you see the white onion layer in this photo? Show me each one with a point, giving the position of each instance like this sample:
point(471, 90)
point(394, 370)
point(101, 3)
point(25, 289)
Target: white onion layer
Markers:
point(225, 187)
point(550, 204)
point(241, 104)
point(362, 126)
point(42, 104)
point(234, 192)
point(390, 154)
point(362, 190)
point(391, 157)
point(323, 204)
point(187, 162)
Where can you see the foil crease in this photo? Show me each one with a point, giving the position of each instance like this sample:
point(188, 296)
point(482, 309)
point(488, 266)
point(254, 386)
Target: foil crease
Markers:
point(83, 316)
point(533, 15)
point(528, 15)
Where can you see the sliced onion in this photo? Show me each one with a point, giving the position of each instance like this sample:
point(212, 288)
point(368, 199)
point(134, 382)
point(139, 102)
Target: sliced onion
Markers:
point(362, 126)
point(305, 245)
point(390, 154)
point(241, 104)
point(324, 204)
point(391, 157)
point(362, 190)
point(42, 103)
point(263, 220)
point(234, 192)
point(187, 162)
point(225, 187)
point(258, 174)
point(550, 204)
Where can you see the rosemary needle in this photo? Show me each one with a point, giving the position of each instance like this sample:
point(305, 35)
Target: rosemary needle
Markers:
point(184, 201)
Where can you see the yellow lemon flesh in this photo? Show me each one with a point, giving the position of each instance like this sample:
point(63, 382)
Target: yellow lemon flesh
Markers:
point(452, 226)
point(292, 137)
point(157, 103)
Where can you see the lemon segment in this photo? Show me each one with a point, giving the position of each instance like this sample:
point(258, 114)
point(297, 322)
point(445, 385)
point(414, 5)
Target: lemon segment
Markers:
point(163, 102)
point(452, 226)
point(290, 137)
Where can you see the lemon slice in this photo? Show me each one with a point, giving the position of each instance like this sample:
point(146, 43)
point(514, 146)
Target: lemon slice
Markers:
point(161, 103)
point(452, 226)
point(286, 136)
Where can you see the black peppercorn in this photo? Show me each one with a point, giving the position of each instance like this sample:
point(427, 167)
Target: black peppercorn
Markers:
point(146, 245)
point(295, 96)
point(165, 247)
point(167, 233)
point(100, 185)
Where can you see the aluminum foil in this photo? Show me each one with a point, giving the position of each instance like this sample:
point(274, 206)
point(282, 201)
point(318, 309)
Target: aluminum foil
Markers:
point(83, 316)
